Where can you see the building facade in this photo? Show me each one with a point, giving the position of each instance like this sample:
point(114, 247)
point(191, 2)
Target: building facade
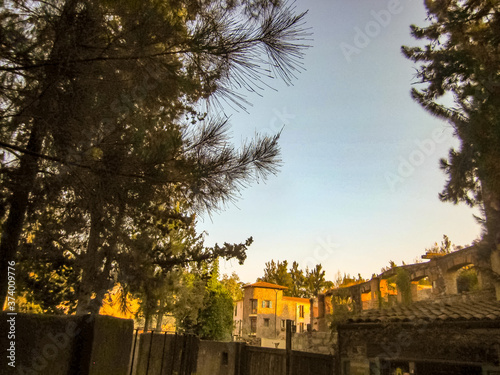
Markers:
point(264, 310)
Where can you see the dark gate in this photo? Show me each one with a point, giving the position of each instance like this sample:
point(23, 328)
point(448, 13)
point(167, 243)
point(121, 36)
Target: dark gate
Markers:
point(267, 361)
point(304, 363)
point(164, 354)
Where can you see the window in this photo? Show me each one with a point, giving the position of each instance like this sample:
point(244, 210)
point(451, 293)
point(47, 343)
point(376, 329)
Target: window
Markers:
point(235, 310)
point(253, 326)
point(301, 327)
point(253, 303)
point(266, 322)
point(266, 303)
point(301, 311)
point(283, 324)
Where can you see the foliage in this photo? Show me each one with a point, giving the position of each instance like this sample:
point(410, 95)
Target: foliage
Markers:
point(107, 155)
point(343, 308)
point(461, 60)
point(298, 279)
point(392, 265)
point(347, 280)
point(215, 319)
point(403, 284)
point(299, 284)
point(467, 280)
point(120, 303)
point(445, 248)
point(315, 281)
point(203, 306)
point(186, 300)
point(277, 273)
point(233, 285)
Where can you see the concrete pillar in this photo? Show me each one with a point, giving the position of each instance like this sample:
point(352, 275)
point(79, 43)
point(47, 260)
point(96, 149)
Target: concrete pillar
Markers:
point(483, 281)
point(375, 292)
point(399, 296)
point(356, 297)
point(322, 324)
point(450, 280)
point(414, 291)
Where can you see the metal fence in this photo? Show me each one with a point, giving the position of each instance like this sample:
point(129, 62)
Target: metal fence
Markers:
point(173, 354)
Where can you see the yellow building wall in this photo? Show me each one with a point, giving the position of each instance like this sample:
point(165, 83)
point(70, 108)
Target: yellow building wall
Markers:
point(282, 308)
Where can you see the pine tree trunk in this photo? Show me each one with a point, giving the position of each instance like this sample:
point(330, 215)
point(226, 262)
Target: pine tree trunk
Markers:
point(491, 201)
point(94, 280)
point(18, 202)
point(147, 321)
point(42, 112)
point(159, 316)
point(90, 264)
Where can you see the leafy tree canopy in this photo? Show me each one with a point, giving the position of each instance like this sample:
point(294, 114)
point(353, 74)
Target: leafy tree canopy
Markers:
point(299, 283)
point(204, 306)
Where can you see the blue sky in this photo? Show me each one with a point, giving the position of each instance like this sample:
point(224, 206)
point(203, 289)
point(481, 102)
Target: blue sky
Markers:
point(360, 178)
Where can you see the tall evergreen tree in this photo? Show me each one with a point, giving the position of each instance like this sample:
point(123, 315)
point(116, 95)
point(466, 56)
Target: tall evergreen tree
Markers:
point(316, 281)
point(277, 273)
point(299, 284)
point(100, 131)
point(298, 281)
point(461, 60)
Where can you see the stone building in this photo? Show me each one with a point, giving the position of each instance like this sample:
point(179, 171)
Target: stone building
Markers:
point(264, 310)
point(435, 280)
point(441, 317)
point(422, 339)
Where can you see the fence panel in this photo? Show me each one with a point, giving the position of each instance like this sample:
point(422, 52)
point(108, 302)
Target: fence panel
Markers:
point(165, 354)
point(168, 354)
point(263, 361)
point(305, 363)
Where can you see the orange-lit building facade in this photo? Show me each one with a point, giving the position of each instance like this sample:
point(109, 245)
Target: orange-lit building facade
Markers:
point(264, 310)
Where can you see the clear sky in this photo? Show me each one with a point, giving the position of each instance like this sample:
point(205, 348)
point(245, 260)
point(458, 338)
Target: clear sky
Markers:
point(360, 178)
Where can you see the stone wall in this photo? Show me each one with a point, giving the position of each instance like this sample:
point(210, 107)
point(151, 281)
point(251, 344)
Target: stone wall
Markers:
point(314, 342)
point(470, 343)
point(61, 345)
point(217, 358)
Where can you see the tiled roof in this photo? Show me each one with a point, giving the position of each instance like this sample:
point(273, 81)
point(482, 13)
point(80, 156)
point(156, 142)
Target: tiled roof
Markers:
point(433, 312)
point(296, 299)
point(263, 284)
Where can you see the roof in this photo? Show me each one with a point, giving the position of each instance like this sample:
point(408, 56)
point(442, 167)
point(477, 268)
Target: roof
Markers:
point(263, 284)
point(296, 299)
point(433, 312)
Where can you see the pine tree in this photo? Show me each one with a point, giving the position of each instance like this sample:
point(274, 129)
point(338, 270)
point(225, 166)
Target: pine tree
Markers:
point(101, 128)
point(461, 60)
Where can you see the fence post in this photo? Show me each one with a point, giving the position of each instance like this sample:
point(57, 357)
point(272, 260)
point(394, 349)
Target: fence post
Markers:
point(289, 347)
point(133, 351)
point(240, 359)
point(173, 348)
point(183, 365)
point(163, 352)
point(149, 354)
